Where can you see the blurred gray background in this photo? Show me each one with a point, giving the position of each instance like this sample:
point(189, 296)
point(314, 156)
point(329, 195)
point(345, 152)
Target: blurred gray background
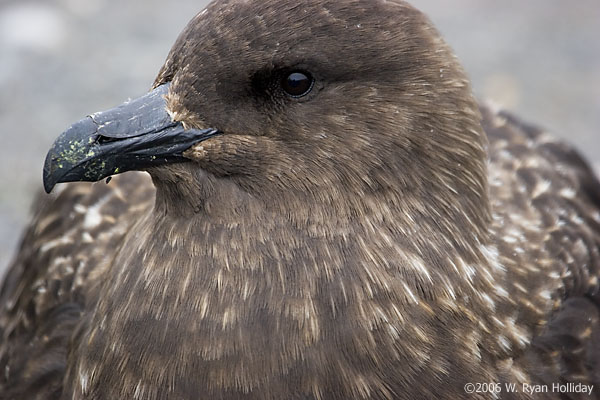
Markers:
point(63, 59)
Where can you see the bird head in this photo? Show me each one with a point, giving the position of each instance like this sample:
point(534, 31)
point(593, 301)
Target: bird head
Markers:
point(331, 99)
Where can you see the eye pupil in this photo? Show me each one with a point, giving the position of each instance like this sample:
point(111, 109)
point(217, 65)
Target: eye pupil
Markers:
point(297, 84)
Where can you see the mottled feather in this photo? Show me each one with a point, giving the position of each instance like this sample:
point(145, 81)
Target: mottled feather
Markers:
point(399, 243)
point(72, 239)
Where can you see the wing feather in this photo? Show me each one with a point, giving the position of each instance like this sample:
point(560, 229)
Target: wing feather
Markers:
point(66, 249)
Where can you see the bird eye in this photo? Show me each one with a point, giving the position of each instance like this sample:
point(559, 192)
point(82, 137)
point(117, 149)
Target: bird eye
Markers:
point(297, 84)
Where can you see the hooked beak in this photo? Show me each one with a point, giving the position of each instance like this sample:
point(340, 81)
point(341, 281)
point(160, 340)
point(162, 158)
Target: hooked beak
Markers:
point(136, 135)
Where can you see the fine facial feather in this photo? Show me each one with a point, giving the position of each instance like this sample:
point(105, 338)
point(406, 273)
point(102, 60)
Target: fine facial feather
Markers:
point(365, 242)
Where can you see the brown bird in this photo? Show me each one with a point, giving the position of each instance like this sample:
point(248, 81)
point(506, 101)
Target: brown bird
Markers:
point(330, 215)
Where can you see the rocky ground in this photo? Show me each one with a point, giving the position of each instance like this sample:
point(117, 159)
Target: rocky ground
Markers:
point(62, 59)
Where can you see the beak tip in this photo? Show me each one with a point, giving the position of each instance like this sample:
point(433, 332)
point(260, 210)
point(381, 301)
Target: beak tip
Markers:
point(48, 187)
point(49, 180)
point(49, 173)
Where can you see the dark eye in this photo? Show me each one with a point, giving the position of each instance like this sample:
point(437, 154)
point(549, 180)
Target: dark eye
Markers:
point(297, 84)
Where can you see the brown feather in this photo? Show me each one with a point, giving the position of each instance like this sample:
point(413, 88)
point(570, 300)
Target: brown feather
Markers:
point(383, 238)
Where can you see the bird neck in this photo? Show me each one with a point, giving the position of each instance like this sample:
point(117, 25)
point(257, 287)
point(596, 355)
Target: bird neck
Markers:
point(243, 284)
point(426, 233)
point(434, 249)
